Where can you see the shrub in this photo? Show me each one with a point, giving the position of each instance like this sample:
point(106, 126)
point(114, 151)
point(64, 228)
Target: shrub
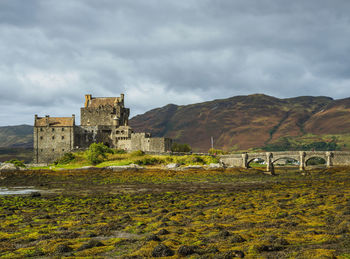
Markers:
point(137, 153)
point(119, 151)
point(65, 159)
point(97, 153)
point(176, 147)
point(16, 162)
point(148, 161)
point(214, 151)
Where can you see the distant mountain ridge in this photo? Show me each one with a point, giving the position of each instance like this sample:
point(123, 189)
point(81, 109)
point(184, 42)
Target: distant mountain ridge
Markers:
point(235, 123)
point(20, 136)
point(243, 122)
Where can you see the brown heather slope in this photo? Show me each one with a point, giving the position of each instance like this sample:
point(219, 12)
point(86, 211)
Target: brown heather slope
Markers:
point(242, 122)
point(334, 119)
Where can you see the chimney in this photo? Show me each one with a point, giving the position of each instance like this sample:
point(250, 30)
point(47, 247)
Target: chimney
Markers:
point(87, 99)
point(122, 98)
point(47, 117)
point(73, 117)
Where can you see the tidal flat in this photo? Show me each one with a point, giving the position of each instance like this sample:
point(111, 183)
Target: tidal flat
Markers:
point(193, 213)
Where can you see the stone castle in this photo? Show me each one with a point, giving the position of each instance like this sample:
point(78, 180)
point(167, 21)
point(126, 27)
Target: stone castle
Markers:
point(103, 119)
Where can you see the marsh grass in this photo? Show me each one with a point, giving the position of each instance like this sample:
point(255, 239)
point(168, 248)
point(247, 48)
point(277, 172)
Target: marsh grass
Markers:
point(81, 159)
point(106, 214)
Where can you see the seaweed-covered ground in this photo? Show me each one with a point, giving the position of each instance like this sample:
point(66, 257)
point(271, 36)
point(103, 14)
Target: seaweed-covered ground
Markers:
point(199, 214)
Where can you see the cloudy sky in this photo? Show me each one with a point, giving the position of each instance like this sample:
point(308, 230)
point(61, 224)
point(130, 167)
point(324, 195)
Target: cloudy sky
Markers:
point(165, 51)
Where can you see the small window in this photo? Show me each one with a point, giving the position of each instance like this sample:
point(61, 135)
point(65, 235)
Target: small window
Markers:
point(122, 131)
point(53, 149)
point(41, 137)
point(41, 129)
point(62, 149)
point(41, 150)
point(117, 132)
point(62, 129)
point(53, 129)
point(62, 137)
point(53, 137)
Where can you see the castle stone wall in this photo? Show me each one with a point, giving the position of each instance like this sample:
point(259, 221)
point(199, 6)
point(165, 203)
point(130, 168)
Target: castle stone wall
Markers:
point(50, 143)
point(103, 120)
point(97, 116)
point(159, 144)
point(140, 141)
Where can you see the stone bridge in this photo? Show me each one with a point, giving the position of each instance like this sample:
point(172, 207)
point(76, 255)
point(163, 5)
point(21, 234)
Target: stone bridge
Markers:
point(332, 158)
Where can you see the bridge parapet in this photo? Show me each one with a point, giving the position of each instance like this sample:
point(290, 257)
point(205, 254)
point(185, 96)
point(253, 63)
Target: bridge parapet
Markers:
point(332, 158)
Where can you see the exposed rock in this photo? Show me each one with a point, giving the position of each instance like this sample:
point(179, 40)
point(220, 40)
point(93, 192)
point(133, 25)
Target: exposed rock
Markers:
point(185, 250)
point(232, 254)
point(192, 167)
point(153, 237)
point(162, 250)
point(236, 238)
point(92, 243)
point(8, 167)
point(63, 248)
point(224, 234)
point(123, 167)
point(215, 166)
point(35, 194)
point(163, 232)
point(269, 248)
point(172, 166)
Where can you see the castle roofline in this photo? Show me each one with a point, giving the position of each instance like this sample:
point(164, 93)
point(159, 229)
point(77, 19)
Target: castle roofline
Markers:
point(54, 121)
point(95, 102)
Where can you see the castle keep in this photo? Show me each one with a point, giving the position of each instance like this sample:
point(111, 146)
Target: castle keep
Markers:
point(103, 119)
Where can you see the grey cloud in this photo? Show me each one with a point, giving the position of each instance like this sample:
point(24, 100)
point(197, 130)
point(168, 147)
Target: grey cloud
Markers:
point(161, 51)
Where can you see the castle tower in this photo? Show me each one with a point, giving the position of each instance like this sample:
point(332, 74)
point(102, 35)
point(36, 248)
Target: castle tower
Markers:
point(104, 111)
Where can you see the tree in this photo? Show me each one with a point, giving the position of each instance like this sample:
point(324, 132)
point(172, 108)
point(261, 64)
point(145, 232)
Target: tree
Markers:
point(97, 152)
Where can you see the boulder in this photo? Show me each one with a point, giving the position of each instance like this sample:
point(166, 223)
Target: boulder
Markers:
point(172, 166)
point(215, 166)
point(8, 167)
point(124, 167)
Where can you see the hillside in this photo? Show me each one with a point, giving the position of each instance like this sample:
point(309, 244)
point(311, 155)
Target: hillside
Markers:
point(16, 136)
point(16, 142)
point(244, 122)
point(238, 123)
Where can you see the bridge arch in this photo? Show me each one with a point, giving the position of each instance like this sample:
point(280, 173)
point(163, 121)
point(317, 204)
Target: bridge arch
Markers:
point(293, 160)
point(321, 160)
point(256, 159)
point(338, 158)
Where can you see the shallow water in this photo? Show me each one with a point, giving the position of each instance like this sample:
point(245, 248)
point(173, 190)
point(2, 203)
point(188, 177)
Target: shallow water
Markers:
point(17, 190)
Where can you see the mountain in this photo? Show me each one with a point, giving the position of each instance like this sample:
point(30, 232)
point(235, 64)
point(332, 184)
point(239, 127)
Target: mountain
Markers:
point(237, 123)
point(20, 136)
point(16, 142)
point(244, 122)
